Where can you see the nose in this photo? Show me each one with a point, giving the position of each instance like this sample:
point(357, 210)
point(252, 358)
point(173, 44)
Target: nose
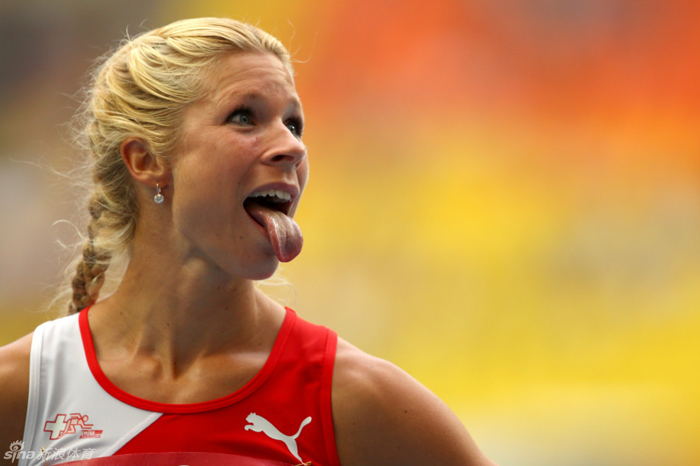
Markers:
point(286, 148)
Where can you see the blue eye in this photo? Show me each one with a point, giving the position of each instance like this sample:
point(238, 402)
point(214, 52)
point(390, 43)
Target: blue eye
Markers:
point(240, 116)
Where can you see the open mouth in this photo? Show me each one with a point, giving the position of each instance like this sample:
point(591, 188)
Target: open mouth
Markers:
point(270, 209)
point(272, 199)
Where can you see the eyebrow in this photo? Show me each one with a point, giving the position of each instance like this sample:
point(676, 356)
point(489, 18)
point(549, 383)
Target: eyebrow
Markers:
point(253, 96)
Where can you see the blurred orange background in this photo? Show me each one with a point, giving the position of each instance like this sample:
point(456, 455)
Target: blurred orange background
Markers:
point(504, 200)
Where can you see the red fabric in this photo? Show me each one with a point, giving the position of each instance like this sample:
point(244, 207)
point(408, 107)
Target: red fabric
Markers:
point(294, 384)
point(170, 459)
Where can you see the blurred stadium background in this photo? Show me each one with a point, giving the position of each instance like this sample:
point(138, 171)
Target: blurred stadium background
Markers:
point(504, 200)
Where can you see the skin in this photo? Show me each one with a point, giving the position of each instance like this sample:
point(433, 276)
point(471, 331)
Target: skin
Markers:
point(187, 324)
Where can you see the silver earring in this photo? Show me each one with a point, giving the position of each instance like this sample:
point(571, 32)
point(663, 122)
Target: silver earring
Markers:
point(158, 197)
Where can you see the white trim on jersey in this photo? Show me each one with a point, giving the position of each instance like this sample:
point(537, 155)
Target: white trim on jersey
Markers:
point(68, 411)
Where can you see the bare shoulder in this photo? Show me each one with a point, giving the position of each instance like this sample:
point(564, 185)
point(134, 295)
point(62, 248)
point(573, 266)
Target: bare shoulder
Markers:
point(14, 386)
point(383, 416)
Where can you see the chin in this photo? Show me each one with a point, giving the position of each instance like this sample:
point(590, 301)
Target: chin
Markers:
point(261, 271)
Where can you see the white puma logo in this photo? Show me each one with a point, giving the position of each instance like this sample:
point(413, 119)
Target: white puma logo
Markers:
point(260, 424)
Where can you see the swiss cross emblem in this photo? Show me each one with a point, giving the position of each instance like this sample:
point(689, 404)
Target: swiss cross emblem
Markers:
point(65, 424)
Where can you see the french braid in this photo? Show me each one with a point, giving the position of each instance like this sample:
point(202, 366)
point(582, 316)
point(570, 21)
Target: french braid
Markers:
point(140, 91)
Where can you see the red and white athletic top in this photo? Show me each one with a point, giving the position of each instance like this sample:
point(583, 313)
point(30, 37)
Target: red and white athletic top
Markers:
point(281, 417)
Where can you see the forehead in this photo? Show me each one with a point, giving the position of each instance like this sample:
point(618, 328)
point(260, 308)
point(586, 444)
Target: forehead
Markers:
point(240, 74)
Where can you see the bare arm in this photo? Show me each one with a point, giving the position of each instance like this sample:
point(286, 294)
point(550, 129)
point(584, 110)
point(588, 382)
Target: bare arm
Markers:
point(383, 416)
point(14, 389)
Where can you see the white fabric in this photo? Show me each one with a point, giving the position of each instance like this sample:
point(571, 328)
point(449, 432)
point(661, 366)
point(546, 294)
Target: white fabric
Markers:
point(64, 393)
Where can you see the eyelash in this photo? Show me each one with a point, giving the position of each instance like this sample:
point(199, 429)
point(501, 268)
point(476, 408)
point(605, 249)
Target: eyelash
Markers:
point(295, 125)
point(241, 110)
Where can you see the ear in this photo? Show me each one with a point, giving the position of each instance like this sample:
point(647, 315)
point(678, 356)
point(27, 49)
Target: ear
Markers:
point(144, 167)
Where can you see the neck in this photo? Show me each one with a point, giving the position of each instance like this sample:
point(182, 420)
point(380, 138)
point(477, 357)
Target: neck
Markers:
point(178, 313)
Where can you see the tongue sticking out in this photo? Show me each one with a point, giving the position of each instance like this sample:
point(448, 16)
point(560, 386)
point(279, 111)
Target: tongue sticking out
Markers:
point(284, 233)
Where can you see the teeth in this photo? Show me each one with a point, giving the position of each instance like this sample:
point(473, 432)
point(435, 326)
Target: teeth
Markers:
point(275, 194)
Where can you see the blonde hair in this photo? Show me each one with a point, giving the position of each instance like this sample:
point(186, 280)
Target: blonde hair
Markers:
point(140, 91)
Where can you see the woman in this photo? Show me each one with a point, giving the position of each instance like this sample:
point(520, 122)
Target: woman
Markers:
point(194, 132)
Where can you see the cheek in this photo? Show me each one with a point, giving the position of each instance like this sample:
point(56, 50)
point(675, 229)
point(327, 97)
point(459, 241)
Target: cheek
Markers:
point(194, 191)
point(303, 173)
point(201, 174)
point(187, 177)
